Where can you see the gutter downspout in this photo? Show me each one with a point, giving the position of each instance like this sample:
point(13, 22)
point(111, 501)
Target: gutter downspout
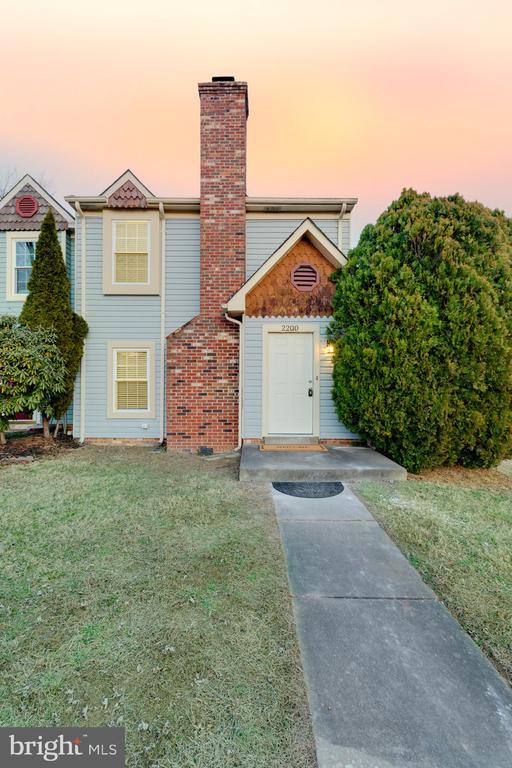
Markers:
point(163, 393)
point(81, 435)
point(241, 339)
point(341, 217)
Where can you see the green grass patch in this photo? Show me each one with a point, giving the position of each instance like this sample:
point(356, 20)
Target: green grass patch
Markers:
point(460, 540)
point(148, 590)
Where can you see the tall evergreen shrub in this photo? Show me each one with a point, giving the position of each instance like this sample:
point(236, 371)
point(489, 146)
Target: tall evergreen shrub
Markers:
point(423, 333)
point(48, 305)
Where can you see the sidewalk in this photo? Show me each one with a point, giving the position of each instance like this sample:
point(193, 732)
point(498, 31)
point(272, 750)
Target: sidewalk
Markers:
point(393, 681)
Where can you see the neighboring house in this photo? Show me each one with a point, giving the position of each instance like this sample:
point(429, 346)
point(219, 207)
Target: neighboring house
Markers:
point(22, 210)
point(207, 316)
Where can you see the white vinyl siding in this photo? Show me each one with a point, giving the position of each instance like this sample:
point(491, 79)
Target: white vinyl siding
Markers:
point(131, 252)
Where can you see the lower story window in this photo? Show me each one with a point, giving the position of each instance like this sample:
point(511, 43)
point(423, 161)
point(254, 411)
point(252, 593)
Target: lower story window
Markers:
point(131, 380)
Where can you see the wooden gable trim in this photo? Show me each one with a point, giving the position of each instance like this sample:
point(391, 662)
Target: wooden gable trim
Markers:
point(277, 296)
point(132, 179)
point(309, 231)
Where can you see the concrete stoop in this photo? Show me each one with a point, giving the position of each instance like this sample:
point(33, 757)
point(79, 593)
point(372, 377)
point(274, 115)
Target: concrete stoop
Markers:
point(337, 463)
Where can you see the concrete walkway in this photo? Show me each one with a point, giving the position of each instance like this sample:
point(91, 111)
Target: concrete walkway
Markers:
point(393, 681)
point(343, 462)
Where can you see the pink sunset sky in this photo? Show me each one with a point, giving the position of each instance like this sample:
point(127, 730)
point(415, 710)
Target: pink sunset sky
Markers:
point(346, 99)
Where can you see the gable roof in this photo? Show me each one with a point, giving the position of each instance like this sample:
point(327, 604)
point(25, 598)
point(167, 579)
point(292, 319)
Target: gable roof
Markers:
point(307, 229)
point(9, 219)
point(127, 176)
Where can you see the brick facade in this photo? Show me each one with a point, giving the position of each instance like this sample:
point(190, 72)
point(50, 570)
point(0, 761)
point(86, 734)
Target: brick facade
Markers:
point(203, 355)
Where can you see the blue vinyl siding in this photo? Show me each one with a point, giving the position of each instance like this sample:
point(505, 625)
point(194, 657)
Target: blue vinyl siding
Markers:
point(6, 307)
point(330, 427)
point(79, 310)
point(113, 318)
point(70, 263)
point(264, 236)
point(15, 307)
point(182, 252)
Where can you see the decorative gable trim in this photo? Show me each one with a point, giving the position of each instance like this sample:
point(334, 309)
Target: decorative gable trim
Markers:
point(120, 182)
point(26, 186)
point(309, 230)
point(127, 196)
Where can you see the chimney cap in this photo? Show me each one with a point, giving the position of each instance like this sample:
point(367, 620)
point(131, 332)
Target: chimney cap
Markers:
point(223, 79)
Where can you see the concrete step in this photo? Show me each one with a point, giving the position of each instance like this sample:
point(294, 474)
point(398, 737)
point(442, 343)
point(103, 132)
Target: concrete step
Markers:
point(337, 463)
point(291, 440)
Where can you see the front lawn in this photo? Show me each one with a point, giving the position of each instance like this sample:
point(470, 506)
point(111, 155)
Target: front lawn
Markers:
point(460, 540)
point(148, 590)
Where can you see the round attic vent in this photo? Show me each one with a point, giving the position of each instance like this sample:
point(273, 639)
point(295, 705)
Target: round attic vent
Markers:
point(305, 277)
point(27, 206)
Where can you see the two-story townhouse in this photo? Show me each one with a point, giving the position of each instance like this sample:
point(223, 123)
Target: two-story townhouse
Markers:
point(22, 210)
point(207, 316)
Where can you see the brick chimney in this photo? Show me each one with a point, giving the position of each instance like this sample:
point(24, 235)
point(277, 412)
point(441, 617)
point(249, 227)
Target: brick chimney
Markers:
point(203, 355)
point(224, 110)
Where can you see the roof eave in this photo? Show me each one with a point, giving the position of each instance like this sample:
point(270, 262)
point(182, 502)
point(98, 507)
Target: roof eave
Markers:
point(171, 204)
point(300, 204)
point(306, 205)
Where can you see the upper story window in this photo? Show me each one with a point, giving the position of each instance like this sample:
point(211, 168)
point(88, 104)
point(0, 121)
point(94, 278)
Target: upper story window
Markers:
point(21, 252)
point(24, 255)
point(131, 252)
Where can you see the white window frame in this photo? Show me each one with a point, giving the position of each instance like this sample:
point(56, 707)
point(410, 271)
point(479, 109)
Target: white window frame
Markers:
point(29, 236)
point(123, 345)
point(115, 222)
point(151, 288)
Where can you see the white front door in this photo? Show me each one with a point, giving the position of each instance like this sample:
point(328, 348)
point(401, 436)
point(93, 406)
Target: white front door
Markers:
point(290, 383)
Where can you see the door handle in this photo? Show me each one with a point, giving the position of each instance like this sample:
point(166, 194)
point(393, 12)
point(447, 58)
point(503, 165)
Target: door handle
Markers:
point(310, 392)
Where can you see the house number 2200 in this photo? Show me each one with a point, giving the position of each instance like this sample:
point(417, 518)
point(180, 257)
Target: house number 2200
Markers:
point(289, 328)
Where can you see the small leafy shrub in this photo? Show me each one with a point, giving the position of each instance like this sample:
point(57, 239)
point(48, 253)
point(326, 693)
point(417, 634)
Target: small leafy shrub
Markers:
point(422, 331)
point(32, 370)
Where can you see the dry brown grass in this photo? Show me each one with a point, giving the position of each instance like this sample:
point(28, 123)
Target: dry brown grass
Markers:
point(148, 590)
point(468, 478)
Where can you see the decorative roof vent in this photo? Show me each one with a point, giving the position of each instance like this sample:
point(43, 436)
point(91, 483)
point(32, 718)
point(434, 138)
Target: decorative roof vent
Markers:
point(305, 277)
point(27, 206)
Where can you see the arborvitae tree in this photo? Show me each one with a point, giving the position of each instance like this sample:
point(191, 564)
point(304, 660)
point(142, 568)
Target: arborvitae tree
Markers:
point(423, 333)
point(48, 305)
point(32, 370)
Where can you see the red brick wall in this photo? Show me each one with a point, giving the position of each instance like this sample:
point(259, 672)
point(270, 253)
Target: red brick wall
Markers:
point(202, 356)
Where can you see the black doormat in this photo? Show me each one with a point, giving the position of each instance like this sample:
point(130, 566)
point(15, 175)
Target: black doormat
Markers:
point(309, 490)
